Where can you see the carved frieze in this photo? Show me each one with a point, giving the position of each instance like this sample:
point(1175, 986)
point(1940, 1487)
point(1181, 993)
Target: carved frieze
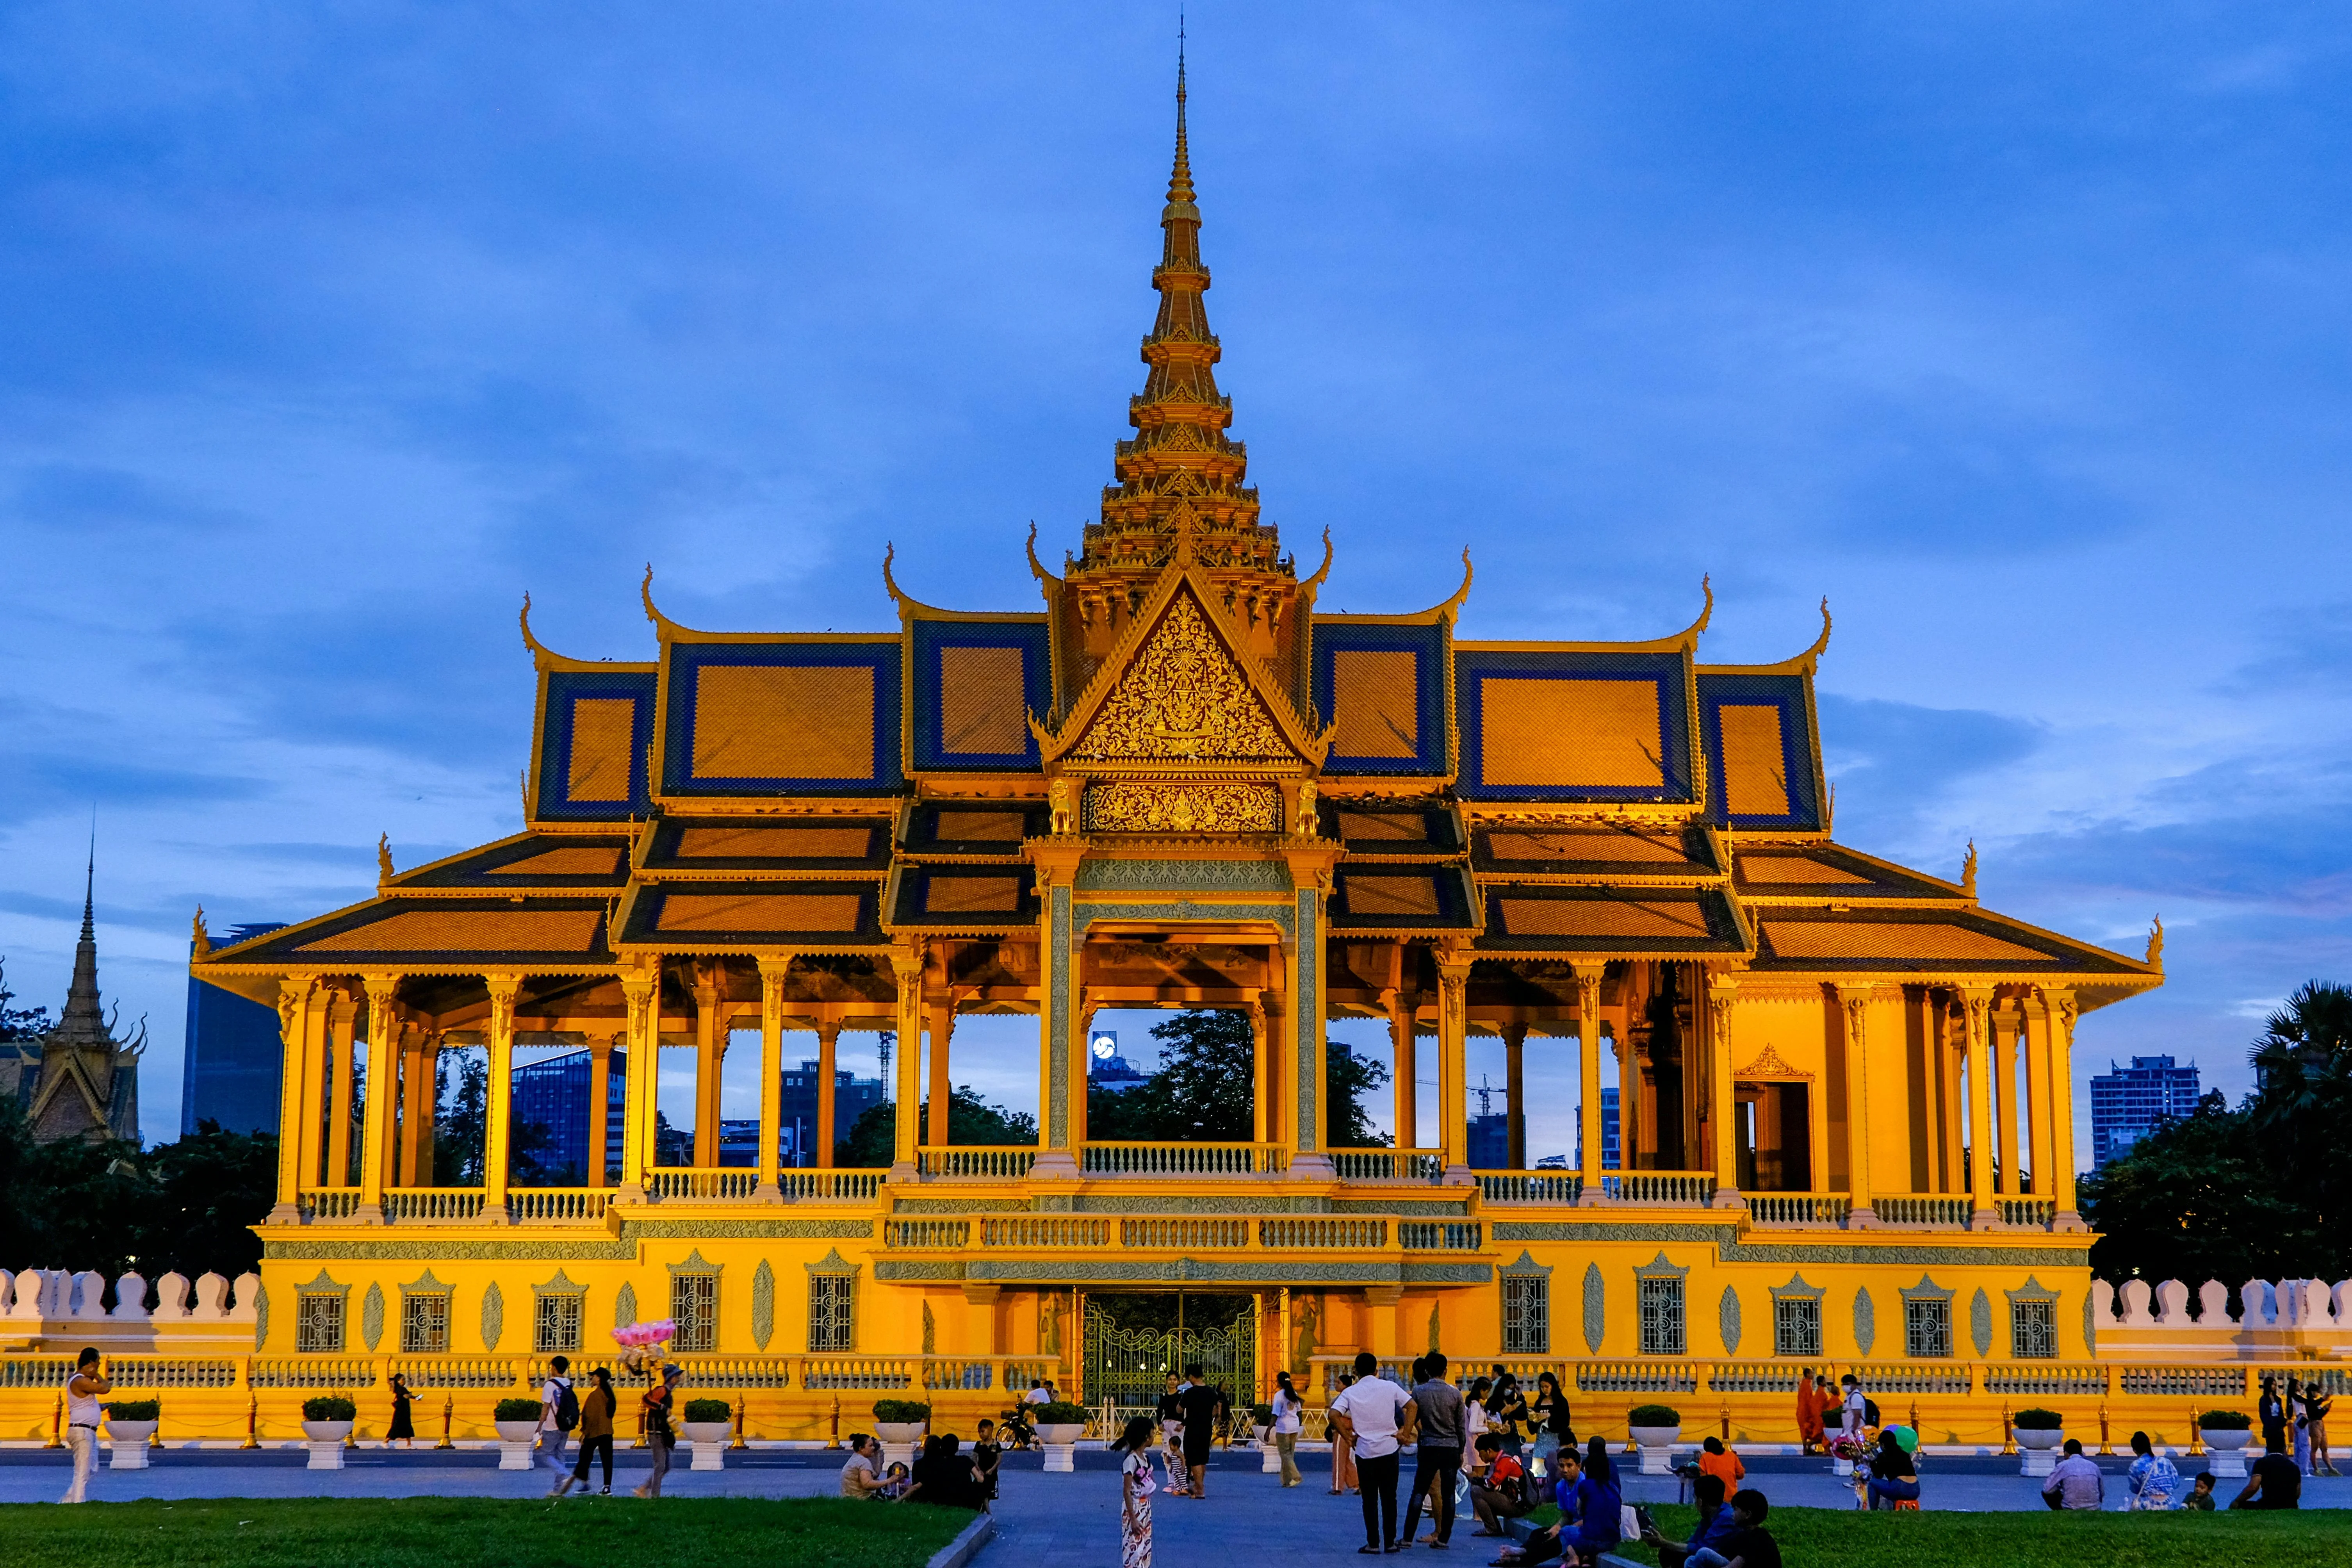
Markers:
point(1118, 807)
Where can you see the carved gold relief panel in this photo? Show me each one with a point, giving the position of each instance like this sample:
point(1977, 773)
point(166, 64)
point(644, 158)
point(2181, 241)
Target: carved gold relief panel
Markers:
point(1182, 698)
point(1117, 806)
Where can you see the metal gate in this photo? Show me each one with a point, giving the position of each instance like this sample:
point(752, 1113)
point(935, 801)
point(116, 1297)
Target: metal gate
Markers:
point(1128, 1368)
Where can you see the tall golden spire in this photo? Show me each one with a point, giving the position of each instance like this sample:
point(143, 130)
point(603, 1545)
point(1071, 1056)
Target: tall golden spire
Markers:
point(1179, 475)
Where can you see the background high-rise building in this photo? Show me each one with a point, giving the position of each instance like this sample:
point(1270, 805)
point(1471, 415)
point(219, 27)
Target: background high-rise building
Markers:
point(2127, 1102)
point(1608, 1132)
point(552, 1094)
point(739, 1138)
point(229, 1073)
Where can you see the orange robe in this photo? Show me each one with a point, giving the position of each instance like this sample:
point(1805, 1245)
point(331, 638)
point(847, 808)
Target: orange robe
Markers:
point(1727, 1465)
point(1809, 1414)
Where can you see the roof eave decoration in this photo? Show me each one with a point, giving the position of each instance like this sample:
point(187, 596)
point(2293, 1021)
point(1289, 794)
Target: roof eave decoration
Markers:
point(1804, 664)
point(544, 659)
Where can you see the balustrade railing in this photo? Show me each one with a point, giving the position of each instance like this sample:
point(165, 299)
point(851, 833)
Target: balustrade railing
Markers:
point(1135, 1159)
point(927, 1235)
point(1946, 1211)
point(36, 1371)
point(1660, 1189)
point(994, 1164)
point(1638, 1377)
point(2186, 1382)
point(558, 1205)
point(1389, 1164)
point(327, 1203)
point(1915, 1377)
point(1186, 1233)
point(1515, 1187)
point(830, 1186)
point(1798, 1209)
point(1046, 1232)
point(1439, 1236)
point(171, 1372)
point(460, 1371)
point(669, 1184)
point(427, 1205)
point(2029, 1379)
point(1319, 1235)
point(2028, 1212)
point(313, 1372)
point(879, 1373)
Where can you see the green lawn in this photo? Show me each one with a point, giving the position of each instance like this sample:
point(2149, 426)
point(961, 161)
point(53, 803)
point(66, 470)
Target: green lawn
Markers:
point(455, 1532)
point(1852, 1539)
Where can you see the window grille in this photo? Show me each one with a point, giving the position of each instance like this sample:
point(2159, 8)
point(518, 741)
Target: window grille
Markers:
point(1662, 1317)
point(1527, 1315)
point(558, 1323)
point(424, 1324)
point(1796, 1326)
point(2033, 1331)
point(694, 1306)
point(318, 1323)
point(1926, 1329)
point(832, 1312)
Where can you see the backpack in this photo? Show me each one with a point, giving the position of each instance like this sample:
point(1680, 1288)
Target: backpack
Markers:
point(567, 1409)
point(1870, 1412)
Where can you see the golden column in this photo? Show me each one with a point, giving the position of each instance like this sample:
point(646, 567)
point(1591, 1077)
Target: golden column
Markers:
point(709, 1062)
point(942, 1019)
point(1515, 1094)
point(1722, 1102)
point(2005, 1022)
point(341, 1043)
point(1401, 1044)
point(296, 1088)
point(383, 1074)
point(498, 1114)
point(1976, 1009)
point(600, 1107)
point(1452, 1064)
point(773, 971)
point(1854, 1005)
point(417, 1087)
point(828, 1038)
point(906, 968)
point(2062, 1107)
point(1587, 1061)
point(1261, 1078)
point(2038, 1020)
point(642, 988)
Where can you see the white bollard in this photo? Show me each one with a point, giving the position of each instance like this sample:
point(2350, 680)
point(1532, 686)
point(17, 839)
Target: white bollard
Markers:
point(1059, 1458)
point(516, 1456)
point(325, 1456)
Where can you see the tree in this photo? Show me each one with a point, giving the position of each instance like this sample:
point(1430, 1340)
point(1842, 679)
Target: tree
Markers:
point(973, 1122)
point(20, 1023)
point(212, 1187)
point(1347, 1078)
point(462, 1118)
point(1204, 1090)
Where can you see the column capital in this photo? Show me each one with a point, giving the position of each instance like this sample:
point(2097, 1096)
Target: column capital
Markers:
point(775, 965)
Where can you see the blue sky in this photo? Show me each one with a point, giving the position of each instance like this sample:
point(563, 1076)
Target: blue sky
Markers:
point(2018, 331)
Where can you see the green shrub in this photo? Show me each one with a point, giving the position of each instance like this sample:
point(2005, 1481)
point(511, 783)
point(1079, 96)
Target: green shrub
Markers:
point(2038, 1421)
point(707, 1410)
point(1261, 1415)
point(902, 1412)
point(330, 1407)
point(135, 1410)
point(1061, 1413)
point(2225, 1421)
point(517, 1410)
point(1654, 1415)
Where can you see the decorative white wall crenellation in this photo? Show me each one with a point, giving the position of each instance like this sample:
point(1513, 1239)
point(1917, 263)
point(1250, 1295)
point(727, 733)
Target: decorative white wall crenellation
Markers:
point(48, 1307)
point(2273, 1319)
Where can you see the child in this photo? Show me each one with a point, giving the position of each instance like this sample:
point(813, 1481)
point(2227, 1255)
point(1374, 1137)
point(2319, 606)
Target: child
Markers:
point(895, 1481)
point(2201, 1494)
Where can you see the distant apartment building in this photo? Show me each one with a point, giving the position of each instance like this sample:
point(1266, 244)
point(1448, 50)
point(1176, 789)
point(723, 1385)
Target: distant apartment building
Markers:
point(229, 1073)
point(552, 1094)
point(2127, 1102)
point(739, 1137)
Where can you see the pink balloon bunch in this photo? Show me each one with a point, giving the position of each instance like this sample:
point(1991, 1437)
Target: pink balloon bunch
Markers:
point(639, 1335)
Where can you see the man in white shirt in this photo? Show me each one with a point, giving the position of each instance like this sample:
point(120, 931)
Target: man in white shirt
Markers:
point(1372, 1413)
point(83, 1413)
point(1857, 1409)
point(553, 1434)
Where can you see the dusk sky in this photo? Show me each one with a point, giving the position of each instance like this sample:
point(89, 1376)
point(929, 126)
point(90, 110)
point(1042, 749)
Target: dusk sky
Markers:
point(2018, 331)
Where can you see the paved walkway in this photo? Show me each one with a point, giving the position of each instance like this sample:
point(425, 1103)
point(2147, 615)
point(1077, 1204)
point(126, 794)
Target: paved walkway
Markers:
point(1043, 1522)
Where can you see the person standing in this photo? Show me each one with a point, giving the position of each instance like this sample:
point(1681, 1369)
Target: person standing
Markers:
point(1827, 1404)
point(1440, 1412)
point(658, 1438)
point(1854, 1411)
point(82, 1391)
point(1135, 1488)
point(1288, 1411)
point(1343, 1452)
point(1371, 1412)
point(1201, 1405)
point(1809, 1412)
point(2298, 1417)
point(559, 1412)
point(1172, 1433)
point(404, 1426)
point(2316, 1407)
point(596, 1412)
point(2273, 1416)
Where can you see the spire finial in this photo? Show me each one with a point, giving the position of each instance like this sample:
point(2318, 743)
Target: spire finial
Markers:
point(90, 884)
point(1180, 177)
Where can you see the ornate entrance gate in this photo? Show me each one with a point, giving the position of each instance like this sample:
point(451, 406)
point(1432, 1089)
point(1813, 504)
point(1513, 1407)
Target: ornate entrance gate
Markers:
point(1128, 1368)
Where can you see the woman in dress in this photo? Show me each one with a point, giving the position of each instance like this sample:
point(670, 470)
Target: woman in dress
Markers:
point(1135, 1488)
point(404, 1429)
point(1343, 1452)
point(1554, 1431)
point(2315, 1411)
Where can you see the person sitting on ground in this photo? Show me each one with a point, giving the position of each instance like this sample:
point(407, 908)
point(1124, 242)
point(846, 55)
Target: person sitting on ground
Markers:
point(1752, 1546)
point(1591, 1502)
point(1715, 1526)
point(1892, 1476)
point(2201, 1494)
point(2076, 1482)
point(861, 1476)
point(942, 1475)
point(1501, 1495)
point(2275, 1481)
point(1714, 1460)
point(2155, 1480)
point(895, 1482)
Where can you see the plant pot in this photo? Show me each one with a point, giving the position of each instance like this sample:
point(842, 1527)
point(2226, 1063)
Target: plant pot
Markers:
point(2040, 1445)
point(1657, 1446)
point(1841, 1468)
point(898, 1440)
point(2226, 1450)
point(326, 1443)
point(709, 1441)
point(1061, 1439)
point(516, 1439)
point(127, 1444)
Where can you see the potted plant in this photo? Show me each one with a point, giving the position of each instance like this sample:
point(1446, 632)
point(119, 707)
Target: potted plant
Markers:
point(2226, 1434)
point(703, 1423)
point(326, 1422)
point(129, 1424)
point(898, 1424)
point(2039, 1434)
point(1654, 1428)
point(1060, 1426)
point(516, 1421)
